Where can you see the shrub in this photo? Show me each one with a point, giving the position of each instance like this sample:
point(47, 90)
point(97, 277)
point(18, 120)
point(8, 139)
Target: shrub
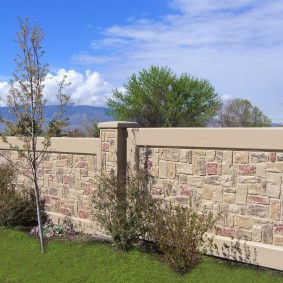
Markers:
point(55, 230)
point(180, 233)
point(17, 208)
point(119, 207)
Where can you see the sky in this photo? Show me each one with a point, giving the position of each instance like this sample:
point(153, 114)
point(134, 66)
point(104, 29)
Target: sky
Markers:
point(236, 45)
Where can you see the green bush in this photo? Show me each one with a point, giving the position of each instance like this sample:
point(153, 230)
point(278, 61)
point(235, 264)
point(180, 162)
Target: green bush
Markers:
point(119, 207)
point(180, 232)
point(17, 208)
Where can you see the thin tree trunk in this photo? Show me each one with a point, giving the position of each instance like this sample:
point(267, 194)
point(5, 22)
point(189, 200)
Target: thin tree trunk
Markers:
point(39, 220)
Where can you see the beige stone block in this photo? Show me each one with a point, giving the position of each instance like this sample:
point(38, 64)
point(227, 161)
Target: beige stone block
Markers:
point(229, 198)
point(241, 193)
point(260, 211)
point(183, 178)
point(184, 168)
point(278, 241)
point(198, 152)
point(195, 181)
point(256, 157)
point(217, 194)
point(243, 234)
point(48, 164)
point(207, 192)
point(219, 156)
point(212, 180)
point(183, 155)
point(216, 211)
point(227, 162)
point(171, 170)
point(69, 170)
point(45, 181)
point(110, 135)
point(210, 155)
point(267, 233)
point(154, 171)
point(73, 194)
point(256, 233)
point(273, 186)
point(78, 184)
point(226, 181)
point(207, 204)
point(230, 220)
point(254, 189)
point(246, 179)
point(261, 170)
point(224, 212)
point(274, 209)
point(201, 166)
point(62, 163)
point(275, 167)
point(241, 157)
point(162, 169)
point(169, 154)
point(244, 222)
point(229, 190)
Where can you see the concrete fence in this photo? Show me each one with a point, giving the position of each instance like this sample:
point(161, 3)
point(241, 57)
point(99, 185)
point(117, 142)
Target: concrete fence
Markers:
point(236, 172)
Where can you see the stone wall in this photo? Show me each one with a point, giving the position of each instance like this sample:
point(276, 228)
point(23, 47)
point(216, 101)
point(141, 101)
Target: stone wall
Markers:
point(245, 187)
point(67, 182)
point(234, 173)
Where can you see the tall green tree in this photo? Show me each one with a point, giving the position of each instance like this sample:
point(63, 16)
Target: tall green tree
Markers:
point(26, 103)
point(159, 98)
point(241, 113)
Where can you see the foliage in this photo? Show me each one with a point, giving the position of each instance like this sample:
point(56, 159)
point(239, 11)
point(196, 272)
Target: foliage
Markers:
point(241, 113)
point(158, 98)
point(16, 208)
point(55, 230)
point(26, 104)
point(180, 234)
point(91, 129)
point(119, 208)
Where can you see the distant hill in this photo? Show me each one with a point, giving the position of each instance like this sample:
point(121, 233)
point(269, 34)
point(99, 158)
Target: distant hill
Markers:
point(77, 114)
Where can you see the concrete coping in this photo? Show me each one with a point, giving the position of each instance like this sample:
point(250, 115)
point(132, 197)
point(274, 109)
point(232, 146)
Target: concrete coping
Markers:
point(117, 124)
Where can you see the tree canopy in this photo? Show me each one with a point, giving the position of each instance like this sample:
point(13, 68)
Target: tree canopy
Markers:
point(241, 113)
point(157, 97)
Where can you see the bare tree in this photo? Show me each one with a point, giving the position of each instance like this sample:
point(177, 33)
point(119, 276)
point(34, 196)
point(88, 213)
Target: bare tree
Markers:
point(241, 113)
point(26, 103)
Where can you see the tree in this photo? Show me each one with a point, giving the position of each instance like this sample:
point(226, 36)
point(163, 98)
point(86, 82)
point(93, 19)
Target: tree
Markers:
point(91, 129)
point(26, 103)
point(159, 98)
point(241, 113)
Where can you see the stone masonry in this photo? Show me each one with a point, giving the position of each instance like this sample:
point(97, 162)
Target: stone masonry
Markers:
point(66, 181)
point(244, 187)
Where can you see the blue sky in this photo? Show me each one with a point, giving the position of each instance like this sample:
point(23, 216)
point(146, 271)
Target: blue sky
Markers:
point(236, 45)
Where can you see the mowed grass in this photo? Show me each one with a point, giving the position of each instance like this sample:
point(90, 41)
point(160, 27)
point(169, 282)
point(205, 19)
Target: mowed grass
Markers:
point(68, 261)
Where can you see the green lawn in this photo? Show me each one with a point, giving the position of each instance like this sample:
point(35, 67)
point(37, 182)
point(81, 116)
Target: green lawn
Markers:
point(67, 261)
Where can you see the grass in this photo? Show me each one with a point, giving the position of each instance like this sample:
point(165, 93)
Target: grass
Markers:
point(67, 261)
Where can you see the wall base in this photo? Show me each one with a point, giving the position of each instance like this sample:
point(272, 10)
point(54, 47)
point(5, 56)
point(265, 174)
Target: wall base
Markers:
point(249, 252)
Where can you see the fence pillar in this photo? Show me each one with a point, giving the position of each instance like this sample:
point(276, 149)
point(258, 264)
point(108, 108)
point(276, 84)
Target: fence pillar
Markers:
point(113, 136)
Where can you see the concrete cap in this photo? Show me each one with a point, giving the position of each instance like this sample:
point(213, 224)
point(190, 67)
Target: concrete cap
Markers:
point(117, 124)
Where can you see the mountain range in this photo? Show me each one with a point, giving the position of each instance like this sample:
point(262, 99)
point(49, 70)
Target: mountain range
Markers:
point(77, 115)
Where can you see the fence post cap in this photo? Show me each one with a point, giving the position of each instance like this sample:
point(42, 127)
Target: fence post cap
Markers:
point(117, 124)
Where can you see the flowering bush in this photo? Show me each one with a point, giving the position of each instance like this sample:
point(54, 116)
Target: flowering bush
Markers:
point(55, 230)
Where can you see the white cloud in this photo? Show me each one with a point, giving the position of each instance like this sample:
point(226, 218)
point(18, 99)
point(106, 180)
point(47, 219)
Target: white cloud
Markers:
point(85, 89)
point(4, 90)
